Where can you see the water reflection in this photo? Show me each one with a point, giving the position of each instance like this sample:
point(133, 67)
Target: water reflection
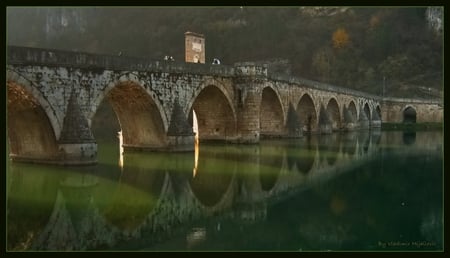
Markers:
point(364, 141)
point(30, 203)
point(270, 163)
point(301, 155)
point(125, 203)
point(376, 135)
point(290, 187)
point(349, 142)
point(120, 137)
point(409, 138)
point(329, 147)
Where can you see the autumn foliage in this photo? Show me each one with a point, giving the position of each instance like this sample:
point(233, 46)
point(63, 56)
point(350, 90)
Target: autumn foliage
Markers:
point(340, 38)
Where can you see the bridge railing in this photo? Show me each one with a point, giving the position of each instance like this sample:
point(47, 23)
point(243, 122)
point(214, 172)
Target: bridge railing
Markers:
point(17, 55)
point(332, 88)
point(411, 101)
point(321, 86)
point(50, 57)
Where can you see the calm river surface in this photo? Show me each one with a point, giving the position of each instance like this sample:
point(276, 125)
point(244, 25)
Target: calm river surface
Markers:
point(368, 190)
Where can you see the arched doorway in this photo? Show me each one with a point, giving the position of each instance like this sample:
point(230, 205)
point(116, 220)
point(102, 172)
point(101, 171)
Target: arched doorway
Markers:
point(409, 115)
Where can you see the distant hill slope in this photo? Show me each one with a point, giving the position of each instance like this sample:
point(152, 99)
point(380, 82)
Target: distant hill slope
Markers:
point(398, 49)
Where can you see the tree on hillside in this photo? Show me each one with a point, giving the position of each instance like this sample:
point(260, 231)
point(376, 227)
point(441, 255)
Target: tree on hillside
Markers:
point(340, 38)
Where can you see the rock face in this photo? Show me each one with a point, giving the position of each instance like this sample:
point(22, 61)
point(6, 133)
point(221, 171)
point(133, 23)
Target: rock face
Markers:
point(59, 20)
point(434, 18)
point(323, 10)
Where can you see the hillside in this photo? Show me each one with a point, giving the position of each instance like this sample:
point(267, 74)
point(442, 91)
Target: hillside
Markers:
point(359, 48)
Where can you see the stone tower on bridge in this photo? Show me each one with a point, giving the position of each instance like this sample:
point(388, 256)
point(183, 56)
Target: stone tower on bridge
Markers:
point(195, 47)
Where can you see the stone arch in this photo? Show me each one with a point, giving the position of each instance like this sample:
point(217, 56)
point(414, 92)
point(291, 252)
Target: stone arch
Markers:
point(366, 110)
point(352, 109)
point(142, 121)
point(364, 114)
point(105, 124)
point(409, 114)
point(206, 83)
point(215, 114)
point(30, 132)
point(271, 113)
point(307, 113)
point(16, 78)
point(129, 77)
point(378, 111)
point(334, 113)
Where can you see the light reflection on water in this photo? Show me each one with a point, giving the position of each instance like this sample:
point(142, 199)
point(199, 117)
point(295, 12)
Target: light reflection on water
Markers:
point(355, 191)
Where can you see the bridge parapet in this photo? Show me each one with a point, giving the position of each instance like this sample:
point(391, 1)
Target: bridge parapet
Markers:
point(415, 101)
point(51, 57)
point(319, 85)
point(250, 69)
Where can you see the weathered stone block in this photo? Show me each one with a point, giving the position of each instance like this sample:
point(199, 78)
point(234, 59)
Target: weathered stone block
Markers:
point(77, 153)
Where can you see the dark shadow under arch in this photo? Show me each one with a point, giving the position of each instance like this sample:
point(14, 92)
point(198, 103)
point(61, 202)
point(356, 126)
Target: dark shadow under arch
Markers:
point(334, 114)
point(138, 115)
point(215, 117)
point(307, 113)
point(271, 114)
point(409, 115)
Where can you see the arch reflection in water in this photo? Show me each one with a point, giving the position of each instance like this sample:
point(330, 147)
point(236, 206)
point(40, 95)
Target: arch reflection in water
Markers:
point(409, 138)
point(349, 143)
point(120, 136)
point(30, 202)
point(196, 153)
point(214, 177)
point(104, 207)
point(363, 142)
point(301, 154)
point(126, 201)
point(329, 147)
point(270, 163)
point(376, 136)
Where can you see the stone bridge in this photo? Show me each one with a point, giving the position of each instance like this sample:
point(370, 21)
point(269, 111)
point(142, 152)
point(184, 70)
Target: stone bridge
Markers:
point(53, 96)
